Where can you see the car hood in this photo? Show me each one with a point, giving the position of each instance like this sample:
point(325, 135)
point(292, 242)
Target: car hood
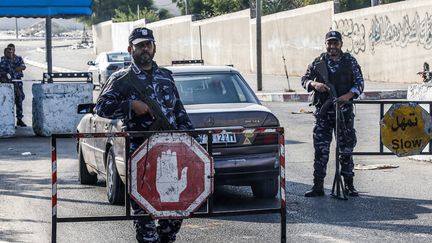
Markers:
point(228, 115)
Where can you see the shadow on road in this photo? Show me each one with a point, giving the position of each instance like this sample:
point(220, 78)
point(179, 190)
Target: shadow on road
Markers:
point(368, 212)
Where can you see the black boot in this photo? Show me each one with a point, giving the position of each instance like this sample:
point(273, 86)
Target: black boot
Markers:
point(349, 187)
point(317, 189)
point(20, 123)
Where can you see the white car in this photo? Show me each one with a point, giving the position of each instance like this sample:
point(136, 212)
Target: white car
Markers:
point(106, 64)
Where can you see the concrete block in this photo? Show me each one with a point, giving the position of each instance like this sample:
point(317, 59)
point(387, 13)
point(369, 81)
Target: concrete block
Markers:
point(7, 111)
point(55, 105)
point(420, 92)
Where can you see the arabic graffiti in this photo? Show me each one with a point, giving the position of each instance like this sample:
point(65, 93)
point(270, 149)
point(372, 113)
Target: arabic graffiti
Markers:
point(354, 35)
point(404, 123)
point(417, 31)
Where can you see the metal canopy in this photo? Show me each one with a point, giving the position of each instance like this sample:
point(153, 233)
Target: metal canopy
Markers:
point(45, 9)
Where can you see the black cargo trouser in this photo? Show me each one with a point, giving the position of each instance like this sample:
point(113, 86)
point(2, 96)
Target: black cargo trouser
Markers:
point(322, 137)
point(146, 229)
point(19, 97)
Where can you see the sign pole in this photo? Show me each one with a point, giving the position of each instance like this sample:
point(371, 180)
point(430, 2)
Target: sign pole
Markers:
point(54, 190)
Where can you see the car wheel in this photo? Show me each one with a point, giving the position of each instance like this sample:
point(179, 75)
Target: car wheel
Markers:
point(114, 185)
point(85, 177)
point(265, 188)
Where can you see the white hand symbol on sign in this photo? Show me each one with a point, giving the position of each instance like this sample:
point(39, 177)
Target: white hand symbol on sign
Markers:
point(168, 184)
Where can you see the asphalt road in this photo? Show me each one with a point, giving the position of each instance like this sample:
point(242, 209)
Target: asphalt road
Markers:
point(395, 205)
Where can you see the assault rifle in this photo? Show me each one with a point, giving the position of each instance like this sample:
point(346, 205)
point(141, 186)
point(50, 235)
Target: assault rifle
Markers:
point(426, 74)
point(160, 122)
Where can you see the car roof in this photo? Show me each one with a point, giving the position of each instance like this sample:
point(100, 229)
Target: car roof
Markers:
point(200, 69)
point(113, 52)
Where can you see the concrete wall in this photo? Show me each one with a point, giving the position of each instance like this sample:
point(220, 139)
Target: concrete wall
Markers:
point(7, 111)
point(120, 34)
point(298, 35)
point(225, 40)
point(102, 37)
point(173, 39)
point(55, 106)
point(390, 41)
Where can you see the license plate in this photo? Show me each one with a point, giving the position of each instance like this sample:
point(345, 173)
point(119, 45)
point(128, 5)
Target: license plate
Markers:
point(218, 138)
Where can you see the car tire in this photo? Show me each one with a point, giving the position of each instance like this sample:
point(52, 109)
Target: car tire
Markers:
point(84, 176)
point(265, 188)
point(114, 185)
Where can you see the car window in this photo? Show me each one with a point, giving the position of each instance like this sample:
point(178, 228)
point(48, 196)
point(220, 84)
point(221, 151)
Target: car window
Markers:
point(99, 58)
point(119, 57)
point(213, 88)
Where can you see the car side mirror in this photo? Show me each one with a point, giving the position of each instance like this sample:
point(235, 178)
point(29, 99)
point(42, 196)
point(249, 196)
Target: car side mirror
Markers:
point(91, 63)
point(86, 108)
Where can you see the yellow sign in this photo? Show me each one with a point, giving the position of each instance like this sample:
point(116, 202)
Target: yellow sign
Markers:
point(406, 129)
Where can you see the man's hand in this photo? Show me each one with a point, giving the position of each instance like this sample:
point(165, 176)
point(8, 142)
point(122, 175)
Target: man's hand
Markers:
point(140, 108)
point(346, 97)
point(320, 87)
point(20, 69)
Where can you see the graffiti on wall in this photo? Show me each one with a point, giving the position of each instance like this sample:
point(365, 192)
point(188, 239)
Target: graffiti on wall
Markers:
point(383, 32)
point(353, 34)
point(400, 34)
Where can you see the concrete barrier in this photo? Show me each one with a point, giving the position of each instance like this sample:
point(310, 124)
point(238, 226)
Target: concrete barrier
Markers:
point(420, 92)
point(55, 105)
point(7, 111)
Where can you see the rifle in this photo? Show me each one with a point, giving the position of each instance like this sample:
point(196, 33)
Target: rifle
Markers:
point(322, 70)
point(426, 74)
point(160, 121)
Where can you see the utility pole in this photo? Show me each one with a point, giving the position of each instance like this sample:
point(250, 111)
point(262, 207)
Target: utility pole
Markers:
point(187, 7)
point(375, 3)
point(337, 6)
point(138, 11)
point(258, 45)
point(16, 27)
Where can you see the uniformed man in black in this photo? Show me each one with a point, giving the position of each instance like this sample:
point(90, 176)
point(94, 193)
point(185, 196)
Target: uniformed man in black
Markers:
point(119, 99)
point(343, 72)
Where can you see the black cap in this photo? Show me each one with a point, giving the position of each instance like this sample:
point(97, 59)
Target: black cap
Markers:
point(141, 34)
point(333, 35)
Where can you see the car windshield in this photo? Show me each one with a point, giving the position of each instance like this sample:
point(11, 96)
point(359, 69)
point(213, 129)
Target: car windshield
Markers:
point(119, 57)
point(213, 88)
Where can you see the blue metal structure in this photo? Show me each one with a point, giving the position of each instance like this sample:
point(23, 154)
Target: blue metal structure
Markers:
point(44, 8)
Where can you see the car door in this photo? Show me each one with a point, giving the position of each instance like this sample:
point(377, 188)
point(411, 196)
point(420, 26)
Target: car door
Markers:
point(101, 125)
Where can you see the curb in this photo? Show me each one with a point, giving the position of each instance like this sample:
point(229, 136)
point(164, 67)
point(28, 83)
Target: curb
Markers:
point(275, 96)
point(44, 66)
point(304, 97)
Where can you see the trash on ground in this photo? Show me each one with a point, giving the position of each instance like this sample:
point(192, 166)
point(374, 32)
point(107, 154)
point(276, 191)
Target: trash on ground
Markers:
point(302, 111)
point(375, 167)
point(26, 153)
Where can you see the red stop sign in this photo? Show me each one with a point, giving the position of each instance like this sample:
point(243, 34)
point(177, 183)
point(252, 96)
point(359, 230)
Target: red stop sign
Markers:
point(170, 175)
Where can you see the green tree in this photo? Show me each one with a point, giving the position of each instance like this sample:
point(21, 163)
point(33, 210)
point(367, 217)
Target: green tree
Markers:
point(148, 14)
point(104, 10)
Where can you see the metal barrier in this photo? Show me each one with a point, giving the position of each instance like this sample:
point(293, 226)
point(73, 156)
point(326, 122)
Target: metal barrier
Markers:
point(338, 185)
point(210, 210)
point(49, 77)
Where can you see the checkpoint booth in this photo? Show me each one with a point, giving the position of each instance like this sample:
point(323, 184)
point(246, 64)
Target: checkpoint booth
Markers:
point(51, 102)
